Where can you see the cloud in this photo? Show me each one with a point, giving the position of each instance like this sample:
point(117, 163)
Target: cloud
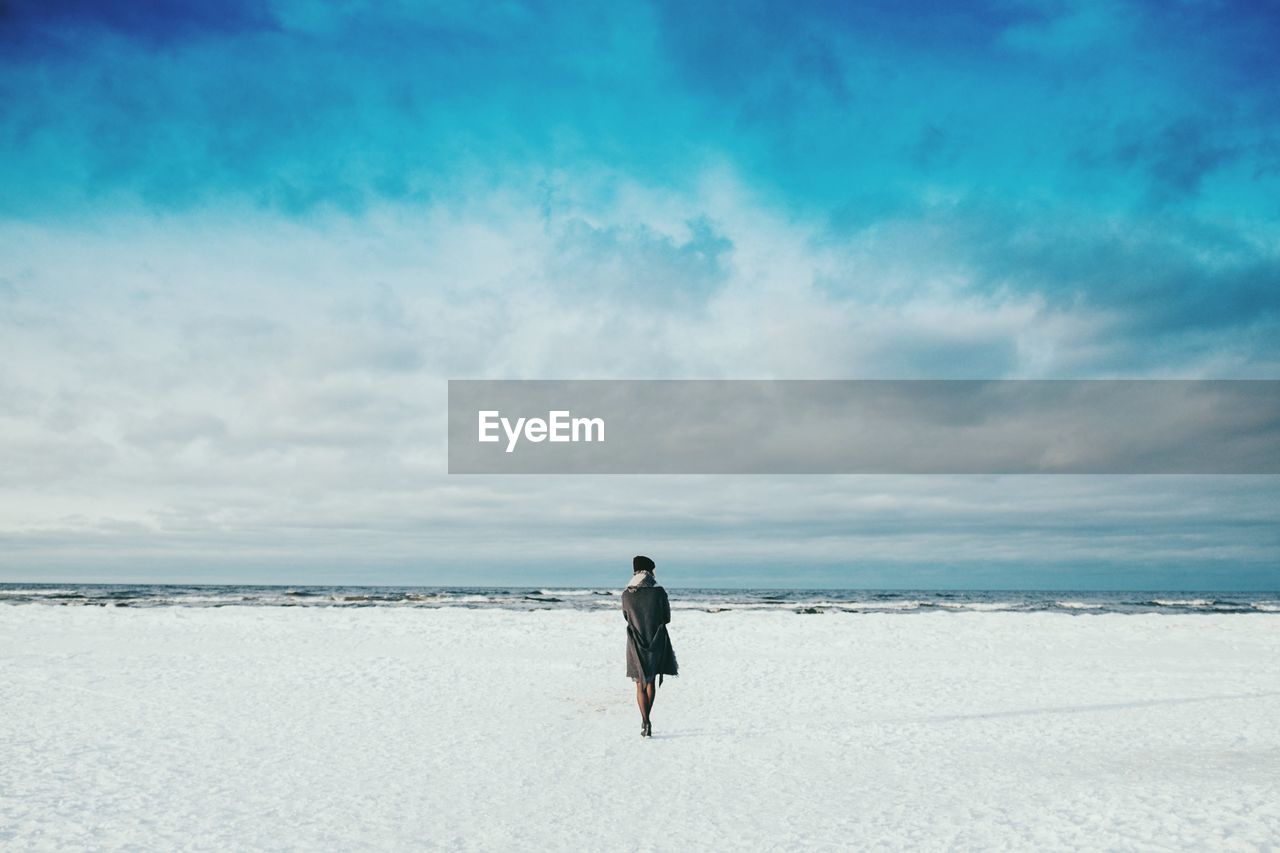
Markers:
point(852, 112)
point(1159, 280)
point(633, 262)
point(242, 246)
point(1177, 158)
point(264, 392)
point(904, 532)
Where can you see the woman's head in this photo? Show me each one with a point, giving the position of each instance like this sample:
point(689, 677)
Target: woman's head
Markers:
point(642, 564)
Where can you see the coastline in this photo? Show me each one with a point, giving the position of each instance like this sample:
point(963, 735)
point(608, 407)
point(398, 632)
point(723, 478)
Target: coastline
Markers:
point(711, 600)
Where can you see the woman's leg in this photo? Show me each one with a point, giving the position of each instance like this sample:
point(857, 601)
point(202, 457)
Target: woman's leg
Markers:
point(649, 693)
point(642, 699)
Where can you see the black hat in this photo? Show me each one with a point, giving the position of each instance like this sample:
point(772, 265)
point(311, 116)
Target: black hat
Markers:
point(642, 564)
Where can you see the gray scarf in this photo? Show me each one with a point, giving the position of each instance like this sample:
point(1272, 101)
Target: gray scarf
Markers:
point(642, 579)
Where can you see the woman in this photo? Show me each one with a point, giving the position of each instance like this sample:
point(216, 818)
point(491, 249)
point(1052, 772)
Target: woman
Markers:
point(649, 653)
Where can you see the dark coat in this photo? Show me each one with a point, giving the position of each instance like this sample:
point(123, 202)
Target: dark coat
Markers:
point(649, 651)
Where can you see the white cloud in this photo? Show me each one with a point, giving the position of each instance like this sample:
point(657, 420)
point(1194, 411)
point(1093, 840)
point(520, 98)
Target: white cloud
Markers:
point(233, 388)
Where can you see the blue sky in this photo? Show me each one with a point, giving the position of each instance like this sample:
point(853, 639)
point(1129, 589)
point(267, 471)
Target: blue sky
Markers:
point(242, 245)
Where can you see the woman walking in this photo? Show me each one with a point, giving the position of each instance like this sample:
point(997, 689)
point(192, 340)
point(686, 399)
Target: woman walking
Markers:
point(649, 653)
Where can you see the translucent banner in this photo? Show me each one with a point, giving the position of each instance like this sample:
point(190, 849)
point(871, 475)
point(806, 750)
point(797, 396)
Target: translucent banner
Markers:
point(864, 427)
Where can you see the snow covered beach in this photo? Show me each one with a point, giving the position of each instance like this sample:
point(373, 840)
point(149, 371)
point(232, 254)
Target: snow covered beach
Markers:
point(295, 728)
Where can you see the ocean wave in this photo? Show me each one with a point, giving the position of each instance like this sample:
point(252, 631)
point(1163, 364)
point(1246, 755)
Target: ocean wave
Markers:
point(978, 606)
point(883, 605)
point(586, 599)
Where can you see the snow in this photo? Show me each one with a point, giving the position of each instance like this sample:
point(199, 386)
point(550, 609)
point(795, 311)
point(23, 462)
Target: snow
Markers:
point(287, 728)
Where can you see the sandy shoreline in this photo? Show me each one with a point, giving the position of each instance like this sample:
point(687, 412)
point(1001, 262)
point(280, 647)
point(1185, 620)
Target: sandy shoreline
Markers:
point(274, 728)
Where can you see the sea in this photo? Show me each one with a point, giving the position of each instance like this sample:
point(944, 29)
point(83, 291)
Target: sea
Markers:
point(801, 601)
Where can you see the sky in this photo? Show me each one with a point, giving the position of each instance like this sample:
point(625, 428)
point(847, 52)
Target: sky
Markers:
point(243, 246)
